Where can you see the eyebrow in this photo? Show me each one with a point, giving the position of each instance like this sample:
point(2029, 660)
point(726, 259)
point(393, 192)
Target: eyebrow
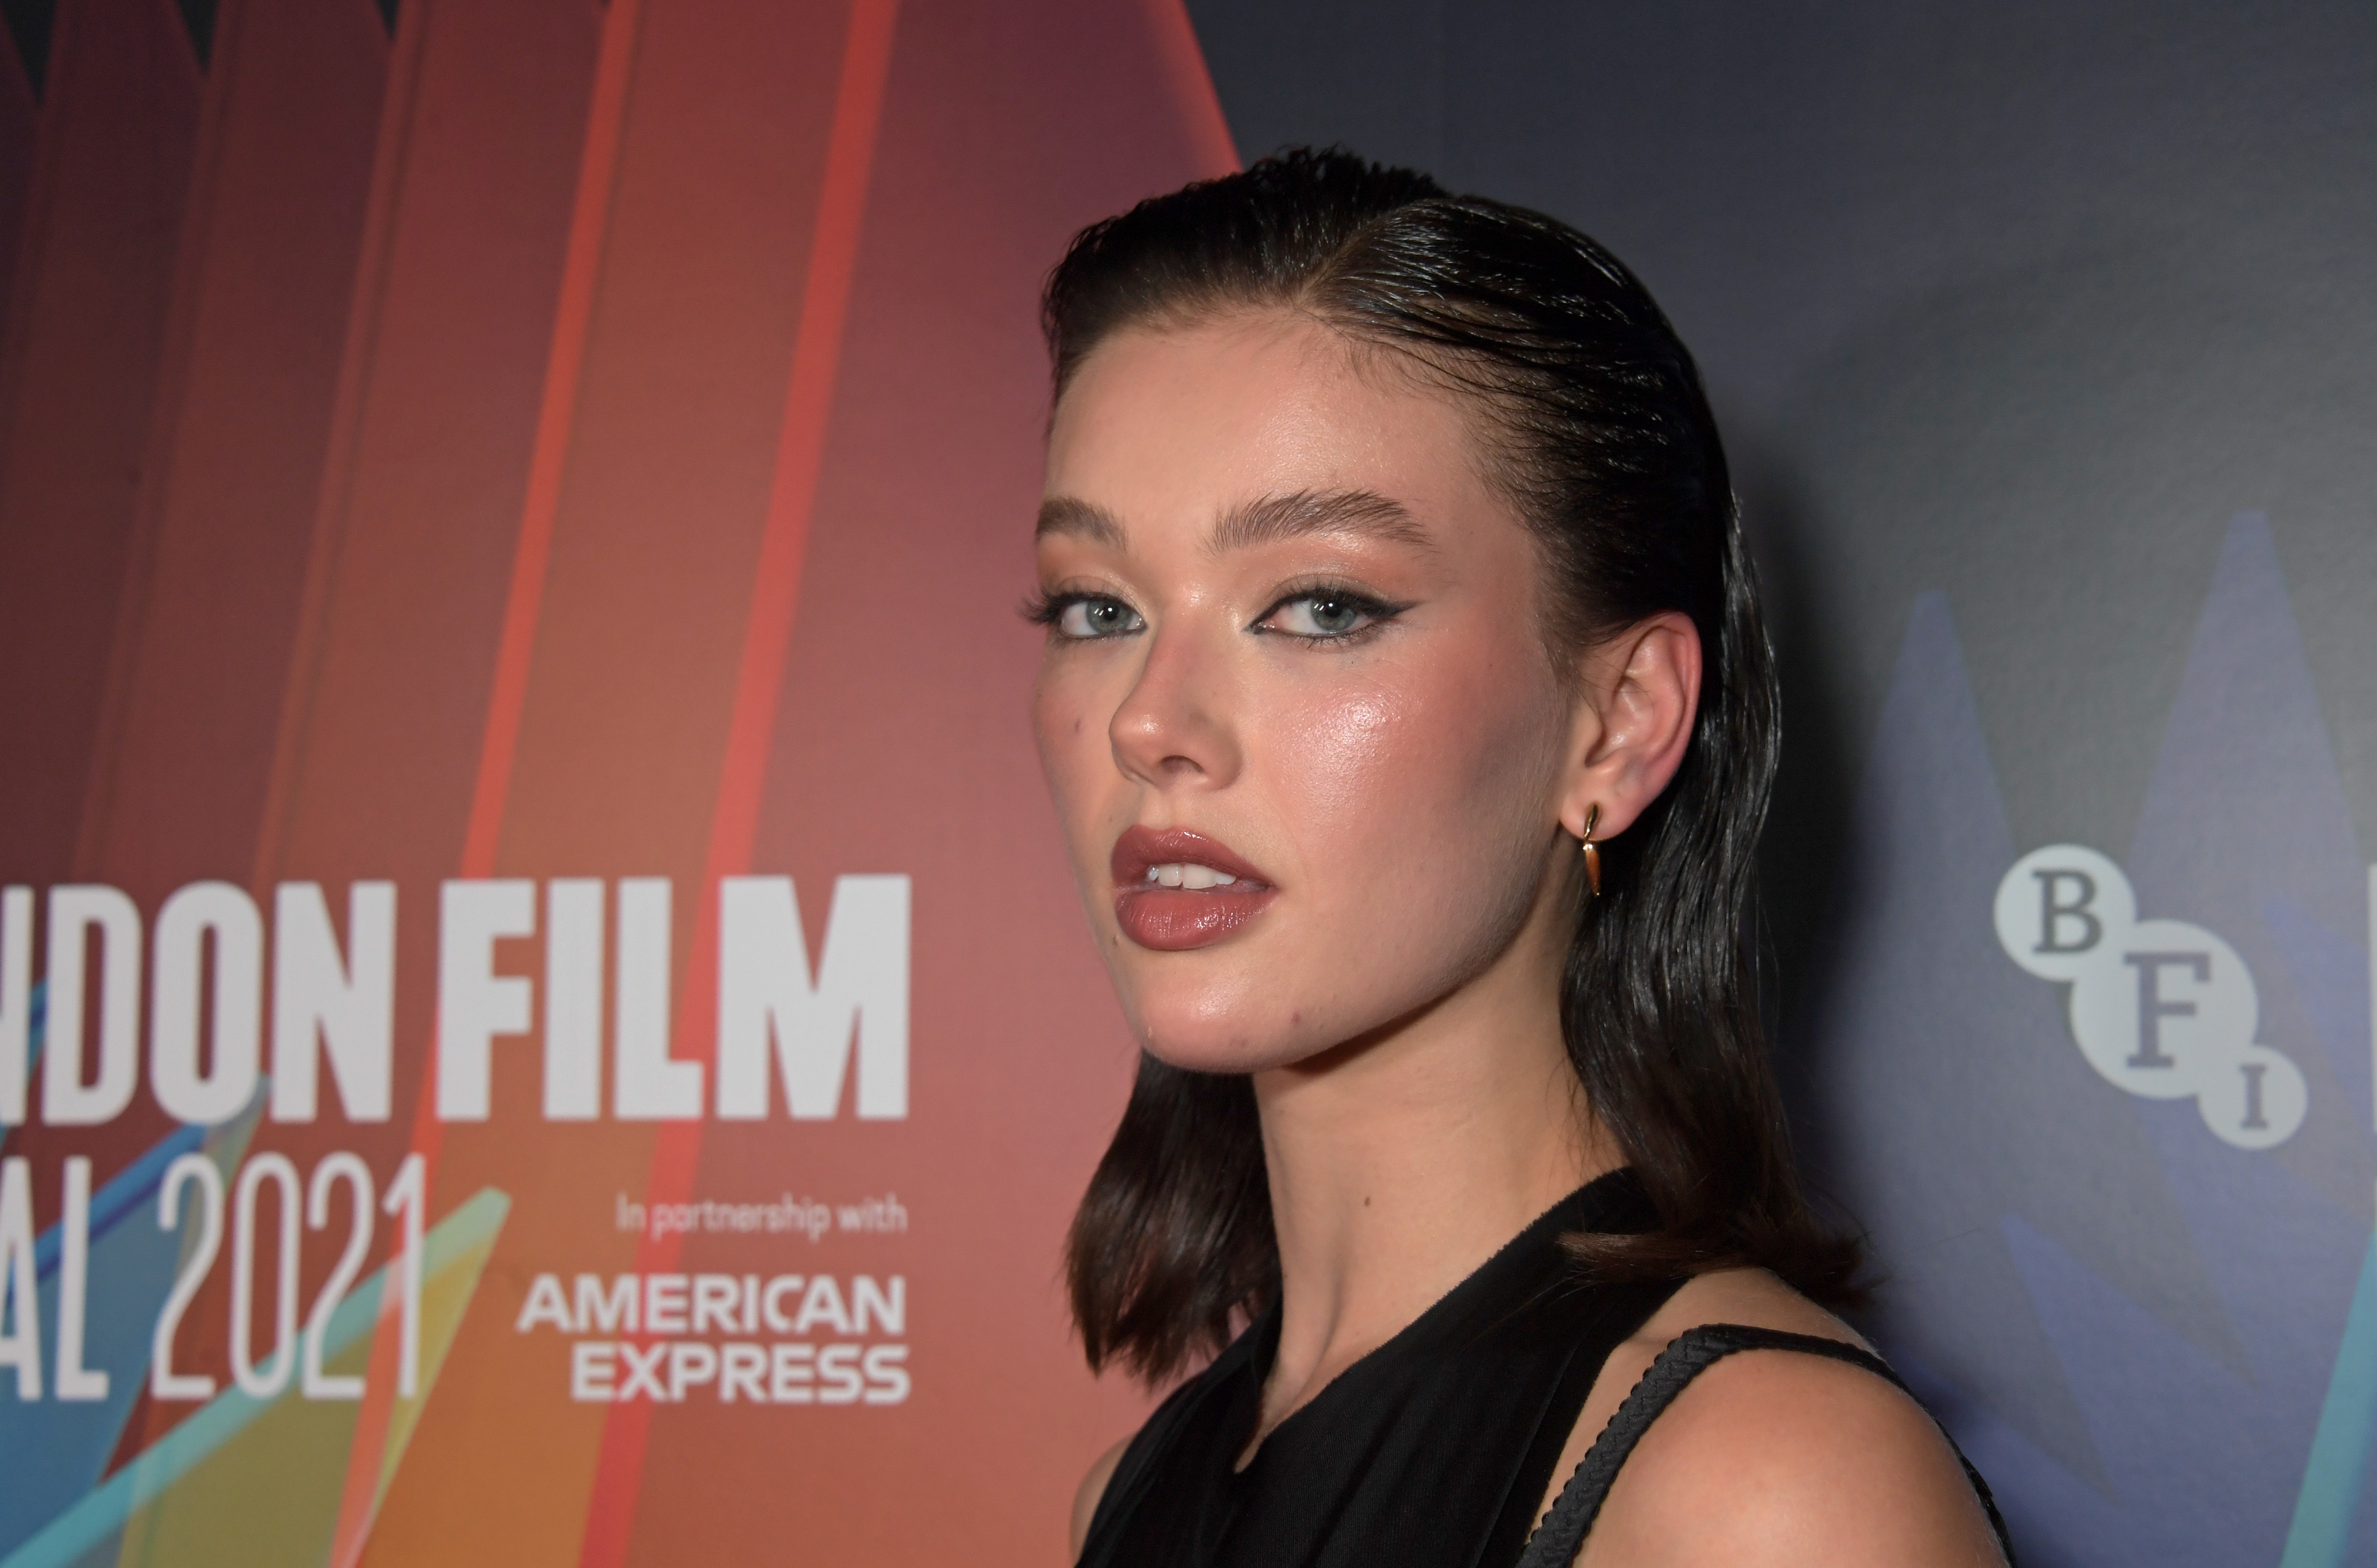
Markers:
point(1268, 520)
point(1067, 514)
point(1304, 512)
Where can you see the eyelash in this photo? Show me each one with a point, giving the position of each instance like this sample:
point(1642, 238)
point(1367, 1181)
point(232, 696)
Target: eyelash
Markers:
point(1046, 610)
point(1049, 610)
point(1043, 609)
point(1377, 613)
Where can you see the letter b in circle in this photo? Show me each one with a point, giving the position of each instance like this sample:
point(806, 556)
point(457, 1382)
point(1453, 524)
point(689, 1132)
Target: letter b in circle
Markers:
point(2055, 912)
point(2058, 907)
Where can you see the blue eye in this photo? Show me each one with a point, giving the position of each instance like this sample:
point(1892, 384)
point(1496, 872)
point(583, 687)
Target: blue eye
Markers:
point(1088, 617)
point(1325, 614)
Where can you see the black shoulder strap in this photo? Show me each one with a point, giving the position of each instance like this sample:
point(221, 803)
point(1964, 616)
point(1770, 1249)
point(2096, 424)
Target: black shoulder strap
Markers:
point(1561, 1535)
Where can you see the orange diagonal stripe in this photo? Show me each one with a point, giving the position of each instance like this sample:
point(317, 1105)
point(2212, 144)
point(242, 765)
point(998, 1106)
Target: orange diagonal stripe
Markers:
point(767, 637)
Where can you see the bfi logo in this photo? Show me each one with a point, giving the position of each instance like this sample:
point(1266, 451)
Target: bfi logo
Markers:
point(2161, 1008)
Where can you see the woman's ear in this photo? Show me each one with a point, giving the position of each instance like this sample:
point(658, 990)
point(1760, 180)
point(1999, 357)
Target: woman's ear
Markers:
point(1638, 696)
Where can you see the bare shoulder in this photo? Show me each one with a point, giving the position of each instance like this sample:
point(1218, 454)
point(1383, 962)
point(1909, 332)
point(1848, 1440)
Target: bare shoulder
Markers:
point(1085, 1500)
point(1775, 1459)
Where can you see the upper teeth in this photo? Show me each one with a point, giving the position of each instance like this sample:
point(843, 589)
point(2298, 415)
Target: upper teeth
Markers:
point(1187, 874)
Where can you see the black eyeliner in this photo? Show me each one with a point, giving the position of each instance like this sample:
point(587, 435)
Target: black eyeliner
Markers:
point(1378, 612)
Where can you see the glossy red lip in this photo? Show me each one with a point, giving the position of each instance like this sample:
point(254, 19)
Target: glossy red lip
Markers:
point(1140, 847)
point(1172, 919)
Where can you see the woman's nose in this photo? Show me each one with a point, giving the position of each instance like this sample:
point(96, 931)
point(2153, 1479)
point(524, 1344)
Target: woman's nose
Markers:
point(1171, 729)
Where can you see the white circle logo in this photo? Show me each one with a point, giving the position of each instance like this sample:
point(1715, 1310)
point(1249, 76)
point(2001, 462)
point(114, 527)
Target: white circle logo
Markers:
point(2161, 1008)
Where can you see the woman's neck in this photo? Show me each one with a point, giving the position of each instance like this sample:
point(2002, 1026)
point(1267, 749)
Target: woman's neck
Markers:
point(1398, 1164)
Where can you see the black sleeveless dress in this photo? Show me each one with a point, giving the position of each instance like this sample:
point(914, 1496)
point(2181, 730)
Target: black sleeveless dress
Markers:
point(1436, 1449)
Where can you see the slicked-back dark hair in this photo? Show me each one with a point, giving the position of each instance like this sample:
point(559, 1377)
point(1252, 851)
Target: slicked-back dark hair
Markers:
point(1593, 423)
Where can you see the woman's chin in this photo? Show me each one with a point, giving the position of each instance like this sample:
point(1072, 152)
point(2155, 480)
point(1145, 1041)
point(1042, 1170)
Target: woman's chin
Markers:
point(1211, 1045)
point(1219, 1057)
point(1245, 1023)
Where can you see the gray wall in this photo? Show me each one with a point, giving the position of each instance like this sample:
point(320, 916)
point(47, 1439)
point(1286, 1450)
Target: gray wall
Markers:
point(2024, 307)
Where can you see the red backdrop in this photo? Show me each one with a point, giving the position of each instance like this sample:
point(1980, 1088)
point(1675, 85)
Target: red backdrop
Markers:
point(547, 440)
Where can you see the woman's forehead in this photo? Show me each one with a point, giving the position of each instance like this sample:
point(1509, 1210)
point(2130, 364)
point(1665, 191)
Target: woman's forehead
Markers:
point(1262, 519)
point(1254, 423)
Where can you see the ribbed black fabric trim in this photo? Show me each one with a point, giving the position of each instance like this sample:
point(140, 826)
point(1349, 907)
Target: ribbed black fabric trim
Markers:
point(1561, 1535)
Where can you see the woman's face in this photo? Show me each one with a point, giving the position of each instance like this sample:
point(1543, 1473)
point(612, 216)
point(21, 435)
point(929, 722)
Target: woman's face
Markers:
point(1297, 711)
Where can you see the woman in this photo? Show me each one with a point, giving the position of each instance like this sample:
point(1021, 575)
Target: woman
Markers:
point(1410, 718)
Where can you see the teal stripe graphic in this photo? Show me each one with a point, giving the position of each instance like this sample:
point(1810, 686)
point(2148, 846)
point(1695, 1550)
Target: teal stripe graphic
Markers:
point(105, 1508)
point(2339, 1449)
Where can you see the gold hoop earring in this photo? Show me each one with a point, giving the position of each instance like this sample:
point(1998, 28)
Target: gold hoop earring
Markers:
point(1592, 852)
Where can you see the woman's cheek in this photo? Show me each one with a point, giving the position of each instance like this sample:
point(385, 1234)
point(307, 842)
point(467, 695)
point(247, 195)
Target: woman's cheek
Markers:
point(1073, 758)
point(1385, 776)
point(1415, 797)
point(1338, 755)
point(1050, 722)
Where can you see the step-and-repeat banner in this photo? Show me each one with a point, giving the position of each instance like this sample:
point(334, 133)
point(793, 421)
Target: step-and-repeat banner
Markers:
point(542, 1020)
point(543, 1016)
